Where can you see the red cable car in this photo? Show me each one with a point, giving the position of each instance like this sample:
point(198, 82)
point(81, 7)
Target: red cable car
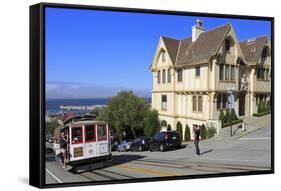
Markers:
point(89, 144)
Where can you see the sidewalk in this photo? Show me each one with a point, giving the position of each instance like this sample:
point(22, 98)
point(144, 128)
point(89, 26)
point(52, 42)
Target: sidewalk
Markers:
point(252, 124)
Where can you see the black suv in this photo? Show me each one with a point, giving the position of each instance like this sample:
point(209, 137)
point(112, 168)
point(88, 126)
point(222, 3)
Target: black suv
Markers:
point(165, 140)
point(140, 144)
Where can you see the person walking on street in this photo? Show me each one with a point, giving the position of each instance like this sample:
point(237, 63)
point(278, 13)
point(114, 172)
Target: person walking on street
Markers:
point(196, 139)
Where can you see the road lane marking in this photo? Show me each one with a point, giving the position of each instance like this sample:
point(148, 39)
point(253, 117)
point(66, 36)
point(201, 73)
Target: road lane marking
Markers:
point(148, 171)
point(233, 160)
point(54, 176)
point(256, 138)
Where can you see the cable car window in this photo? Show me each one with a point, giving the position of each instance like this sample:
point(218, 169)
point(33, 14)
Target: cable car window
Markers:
point(90, 133)
point(76, 135)
point(101, 132)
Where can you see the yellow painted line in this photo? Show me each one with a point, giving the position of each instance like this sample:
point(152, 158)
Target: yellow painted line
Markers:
point(148, 171)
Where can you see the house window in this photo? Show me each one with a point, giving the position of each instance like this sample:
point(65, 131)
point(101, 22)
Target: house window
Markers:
point(258, 72)
point(169, 75)
point(164, 76)
point(262, 73)
point(164, 102)
point(232, 71)
point(158, 77)
point(227, 45)
point(226, 72)
point(221, 71)
point(179, 74)
point(200, 103)
point(197, 71)
point(264, 53)
point(219, 101)
point(194, 103)
point(163, 56)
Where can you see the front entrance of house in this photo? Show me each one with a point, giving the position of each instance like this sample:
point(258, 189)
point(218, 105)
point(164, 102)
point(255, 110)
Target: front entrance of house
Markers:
point(242, 104)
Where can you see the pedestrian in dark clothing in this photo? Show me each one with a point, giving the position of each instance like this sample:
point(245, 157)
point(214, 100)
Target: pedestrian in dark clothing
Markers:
point(63, 148)
point(196, 139)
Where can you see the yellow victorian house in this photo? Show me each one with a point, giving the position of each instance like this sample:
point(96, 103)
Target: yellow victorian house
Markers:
point(191, 76)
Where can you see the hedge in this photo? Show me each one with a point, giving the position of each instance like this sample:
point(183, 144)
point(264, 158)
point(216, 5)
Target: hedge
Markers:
point(233, 122)
point(261, 113)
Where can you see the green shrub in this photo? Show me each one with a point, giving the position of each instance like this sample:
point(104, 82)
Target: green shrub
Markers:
point(211, 132)
point(259, 108)
point(222, 117)
point(203, 131)
point(268, 105)
point(263, 106)
point(169, 128)
point(187, 133)
point(163, 123)
point(227, 116)
point(233, 115)
point(179, 129)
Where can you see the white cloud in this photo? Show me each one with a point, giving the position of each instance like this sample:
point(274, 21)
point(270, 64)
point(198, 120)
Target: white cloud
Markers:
point(80, 90)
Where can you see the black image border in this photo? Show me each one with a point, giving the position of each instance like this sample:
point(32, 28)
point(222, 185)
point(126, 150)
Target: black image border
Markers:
point(37, 93)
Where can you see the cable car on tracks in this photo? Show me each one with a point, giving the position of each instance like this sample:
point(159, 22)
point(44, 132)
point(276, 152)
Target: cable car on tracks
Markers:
point(88, 145)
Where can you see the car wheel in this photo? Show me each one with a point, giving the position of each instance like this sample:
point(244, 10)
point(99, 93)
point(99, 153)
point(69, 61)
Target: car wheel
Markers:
point(140, 148)
point(150, 149)
point(162, 148)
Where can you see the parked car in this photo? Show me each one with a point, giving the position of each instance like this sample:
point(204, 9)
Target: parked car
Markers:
point(124, 145)
point(140, 144)
point(165, 140)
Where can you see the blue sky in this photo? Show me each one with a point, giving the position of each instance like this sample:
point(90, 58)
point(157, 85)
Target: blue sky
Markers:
point(94, 54)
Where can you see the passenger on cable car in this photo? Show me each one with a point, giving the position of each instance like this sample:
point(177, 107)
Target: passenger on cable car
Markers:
point(63, 148)
point(76, 138)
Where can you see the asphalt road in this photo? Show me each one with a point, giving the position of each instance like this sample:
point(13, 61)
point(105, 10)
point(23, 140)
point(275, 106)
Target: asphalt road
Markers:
point(248, 153)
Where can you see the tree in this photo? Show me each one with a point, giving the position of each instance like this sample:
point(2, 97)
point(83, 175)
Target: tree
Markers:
point(52, 126)
point(203, 131)
point(187, 133)
point(179, 129)
point(151, 122)
point(125, 112)
point(96, 111)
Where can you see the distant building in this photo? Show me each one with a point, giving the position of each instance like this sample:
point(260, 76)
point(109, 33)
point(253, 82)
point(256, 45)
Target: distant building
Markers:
point(191, 76)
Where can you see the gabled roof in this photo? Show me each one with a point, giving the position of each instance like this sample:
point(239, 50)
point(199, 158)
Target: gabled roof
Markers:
point(186, 52)
point(252, 49)
point(172, 46)
point(206, 45)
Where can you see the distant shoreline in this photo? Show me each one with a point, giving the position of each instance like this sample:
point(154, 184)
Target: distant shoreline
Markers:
point(53, 105)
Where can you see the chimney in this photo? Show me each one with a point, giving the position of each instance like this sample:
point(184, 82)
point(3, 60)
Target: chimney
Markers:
point(197, 29)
